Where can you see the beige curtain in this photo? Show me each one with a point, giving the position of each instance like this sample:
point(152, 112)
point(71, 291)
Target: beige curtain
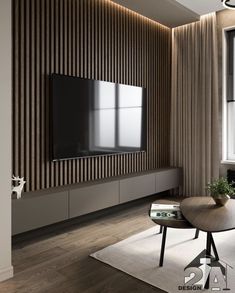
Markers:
point(194, 112)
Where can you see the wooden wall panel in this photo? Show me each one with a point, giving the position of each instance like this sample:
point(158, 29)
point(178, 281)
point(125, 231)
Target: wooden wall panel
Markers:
point(92, 39)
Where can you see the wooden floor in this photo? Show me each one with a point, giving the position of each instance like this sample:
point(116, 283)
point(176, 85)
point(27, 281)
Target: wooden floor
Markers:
point(58, 261)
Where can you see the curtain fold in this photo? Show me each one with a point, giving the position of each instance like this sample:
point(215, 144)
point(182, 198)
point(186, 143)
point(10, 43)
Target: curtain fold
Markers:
point(194, 108)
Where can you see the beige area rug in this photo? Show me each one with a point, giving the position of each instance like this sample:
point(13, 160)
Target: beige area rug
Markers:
point(138, 256)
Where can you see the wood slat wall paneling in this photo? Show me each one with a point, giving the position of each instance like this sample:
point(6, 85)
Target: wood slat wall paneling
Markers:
point(92, 39)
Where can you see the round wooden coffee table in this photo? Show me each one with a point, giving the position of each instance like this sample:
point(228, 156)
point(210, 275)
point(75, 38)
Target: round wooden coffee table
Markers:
point(205, 215)
point(181, 224)
point(164, 224)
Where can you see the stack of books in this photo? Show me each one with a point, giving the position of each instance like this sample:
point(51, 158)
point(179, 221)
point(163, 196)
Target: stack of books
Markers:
point(166, 212)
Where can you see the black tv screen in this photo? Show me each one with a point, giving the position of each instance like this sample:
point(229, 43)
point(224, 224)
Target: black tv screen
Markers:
point(92, 117)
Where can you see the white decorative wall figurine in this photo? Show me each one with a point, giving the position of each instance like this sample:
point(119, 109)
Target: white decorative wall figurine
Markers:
point(18, 188)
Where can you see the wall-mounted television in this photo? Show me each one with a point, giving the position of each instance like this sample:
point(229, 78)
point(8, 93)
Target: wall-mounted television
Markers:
point(93, 117)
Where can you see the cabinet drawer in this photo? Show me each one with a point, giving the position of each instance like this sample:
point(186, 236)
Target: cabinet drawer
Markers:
point(38, 211)
point(93, 198)
point(168, 179)
point(137, 187)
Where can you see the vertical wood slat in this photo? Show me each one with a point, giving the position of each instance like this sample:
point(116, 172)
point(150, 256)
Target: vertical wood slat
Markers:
point(87, 38)
point(27, 117)
point(33, 133)
point(21, 95)
point(16, 84)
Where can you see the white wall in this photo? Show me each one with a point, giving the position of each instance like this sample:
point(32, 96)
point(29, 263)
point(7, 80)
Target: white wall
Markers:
point(6, 270)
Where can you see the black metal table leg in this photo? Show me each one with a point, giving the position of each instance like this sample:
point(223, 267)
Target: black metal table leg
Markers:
point(208, 254)
point(208, 244)
point(160, 231)
point(163, 246)
point(196, 234)
point(214, 248)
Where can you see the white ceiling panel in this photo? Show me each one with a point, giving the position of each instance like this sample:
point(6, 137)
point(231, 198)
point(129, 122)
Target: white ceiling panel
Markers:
point(168, 12)
point(172, 13)
point(202, 6)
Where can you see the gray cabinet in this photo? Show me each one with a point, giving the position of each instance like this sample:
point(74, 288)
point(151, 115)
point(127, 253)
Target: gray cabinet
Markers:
point(39, 209)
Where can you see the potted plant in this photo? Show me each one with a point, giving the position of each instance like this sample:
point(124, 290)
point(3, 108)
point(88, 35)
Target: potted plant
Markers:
point(220, 190)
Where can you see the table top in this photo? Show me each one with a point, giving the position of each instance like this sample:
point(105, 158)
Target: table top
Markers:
point(204, 214)
point(182, 224)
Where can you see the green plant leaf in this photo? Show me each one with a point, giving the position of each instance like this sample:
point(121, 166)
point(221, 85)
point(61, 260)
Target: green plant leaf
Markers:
point(220, 186)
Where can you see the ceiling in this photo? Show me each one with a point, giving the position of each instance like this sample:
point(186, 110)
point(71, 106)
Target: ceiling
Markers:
point(202, 6)
point(172, 13)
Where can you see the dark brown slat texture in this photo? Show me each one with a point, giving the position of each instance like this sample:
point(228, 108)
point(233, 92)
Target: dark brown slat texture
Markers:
point(87, 38)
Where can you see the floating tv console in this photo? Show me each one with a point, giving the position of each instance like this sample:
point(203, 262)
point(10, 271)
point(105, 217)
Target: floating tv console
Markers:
point(42, 208)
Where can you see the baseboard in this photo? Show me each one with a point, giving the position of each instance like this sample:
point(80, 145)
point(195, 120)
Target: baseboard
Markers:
point(6, 273)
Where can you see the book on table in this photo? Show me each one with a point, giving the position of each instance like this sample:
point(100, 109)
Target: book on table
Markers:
point(166, 212)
